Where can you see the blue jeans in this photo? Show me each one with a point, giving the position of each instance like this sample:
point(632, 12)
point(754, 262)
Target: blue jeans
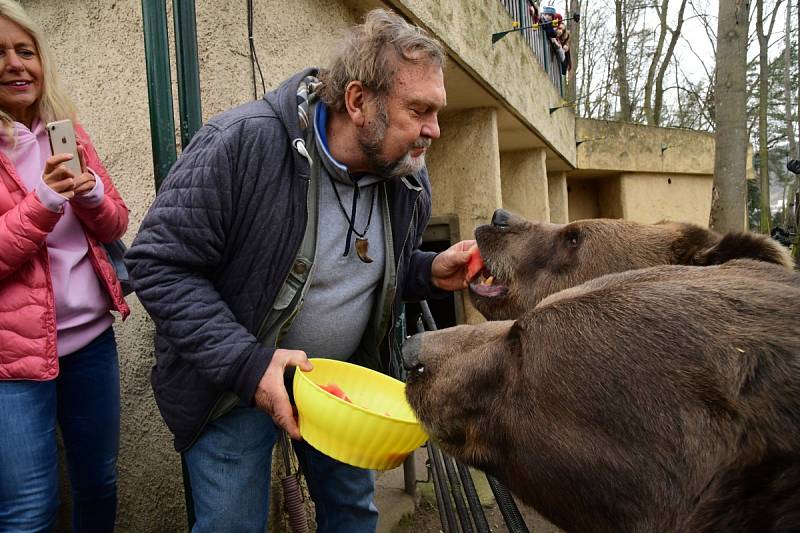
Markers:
point(229, 473)
point(84, 401)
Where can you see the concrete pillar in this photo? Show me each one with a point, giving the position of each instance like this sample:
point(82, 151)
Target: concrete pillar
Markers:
point(524, 175)
point(464, 167)
point(557, 194)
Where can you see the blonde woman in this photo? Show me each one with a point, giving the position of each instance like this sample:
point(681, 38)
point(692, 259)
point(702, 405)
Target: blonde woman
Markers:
point(58, 356)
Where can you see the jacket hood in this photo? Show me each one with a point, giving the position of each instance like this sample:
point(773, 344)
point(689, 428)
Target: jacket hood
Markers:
point(284, 101)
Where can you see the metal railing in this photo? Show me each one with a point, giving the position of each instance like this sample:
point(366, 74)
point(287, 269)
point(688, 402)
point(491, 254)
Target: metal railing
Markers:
point(537, 42)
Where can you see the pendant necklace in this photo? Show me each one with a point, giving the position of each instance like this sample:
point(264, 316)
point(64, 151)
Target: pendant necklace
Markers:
point(362, 243)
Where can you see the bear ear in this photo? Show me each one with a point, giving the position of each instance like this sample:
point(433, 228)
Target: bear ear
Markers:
point(743, 246)
point(514, 337)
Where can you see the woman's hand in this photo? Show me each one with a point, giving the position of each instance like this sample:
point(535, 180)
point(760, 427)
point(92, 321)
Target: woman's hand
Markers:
point(58, 177)
point(86, 181)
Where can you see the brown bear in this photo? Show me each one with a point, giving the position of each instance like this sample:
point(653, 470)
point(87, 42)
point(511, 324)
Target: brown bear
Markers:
point(527, 261)
point(665, 399)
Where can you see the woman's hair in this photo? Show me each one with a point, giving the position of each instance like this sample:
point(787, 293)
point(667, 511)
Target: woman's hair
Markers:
point(54, 104)
point(370, 53)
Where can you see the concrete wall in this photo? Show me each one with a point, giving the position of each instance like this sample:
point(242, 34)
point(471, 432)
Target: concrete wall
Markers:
point(622, 147)
point(583, 197)
point(642, 173)
point(558, 197)
point(648, 198)
point(524, 183)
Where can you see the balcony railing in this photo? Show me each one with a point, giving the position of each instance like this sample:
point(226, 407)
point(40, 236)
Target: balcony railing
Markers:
point(537, 41)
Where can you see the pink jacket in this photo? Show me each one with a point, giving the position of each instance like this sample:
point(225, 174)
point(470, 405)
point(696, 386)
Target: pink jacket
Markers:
point(27, 305)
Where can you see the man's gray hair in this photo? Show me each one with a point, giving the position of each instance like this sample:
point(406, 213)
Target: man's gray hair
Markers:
point(371, 53)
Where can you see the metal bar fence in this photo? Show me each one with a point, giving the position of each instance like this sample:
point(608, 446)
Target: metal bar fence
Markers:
point(537, 41)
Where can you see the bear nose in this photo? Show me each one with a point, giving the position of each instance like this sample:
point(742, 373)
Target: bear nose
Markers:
point(501, 218)
point(411, 349)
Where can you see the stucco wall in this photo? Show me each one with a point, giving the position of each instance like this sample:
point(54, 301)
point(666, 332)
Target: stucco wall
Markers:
point(649, 199)
point(524, 183)
point(583, 199)
point(557, 197)
point(619, 146)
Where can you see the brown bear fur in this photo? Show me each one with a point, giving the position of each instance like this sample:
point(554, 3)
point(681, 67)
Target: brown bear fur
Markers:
point(531, 260)
point(665, 399)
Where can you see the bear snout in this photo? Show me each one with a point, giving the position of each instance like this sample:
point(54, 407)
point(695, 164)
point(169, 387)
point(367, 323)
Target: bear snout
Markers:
point(501, 218)
point(411, 350)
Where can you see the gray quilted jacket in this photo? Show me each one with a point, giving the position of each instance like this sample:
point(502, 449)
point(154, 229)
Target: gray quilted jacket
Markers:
point(217, 244)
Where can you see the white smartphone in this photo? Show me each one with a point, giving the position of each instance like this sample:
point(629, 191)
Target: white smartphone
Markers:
point(62, 141)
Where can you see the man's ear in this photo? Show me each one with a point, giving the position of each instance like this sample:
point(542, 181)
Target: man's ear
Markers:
point(355, 98)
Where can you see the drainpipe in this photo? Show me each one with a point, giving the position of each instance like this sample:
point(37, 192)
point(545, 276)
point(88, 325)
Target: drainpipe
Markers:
point(159, 87)
point(159, 80)
point(188, 69)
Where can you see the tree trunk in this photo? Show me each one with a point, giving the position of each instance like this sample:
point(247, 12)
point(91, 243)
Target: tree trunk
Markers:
point(787, 80)
point(574, 50)
point(658, 98)
point(647, 107)
point(763, 96)
point(730, 152)
point(622, 62)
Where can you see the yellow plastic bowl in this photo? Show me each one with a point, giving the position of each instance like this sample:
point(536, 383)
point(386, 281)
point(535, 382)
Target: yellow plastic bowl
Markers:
point(377, 431)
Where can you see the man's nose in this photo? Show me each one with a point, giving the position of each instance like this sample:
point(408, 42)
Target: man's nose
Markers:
point(431, 129)
point(411, 349)
point(501, 218)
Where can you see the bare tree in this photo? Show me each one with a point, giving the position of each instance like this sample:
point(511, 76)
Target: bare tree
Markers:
point(654, 86)
point(575, 50)
point(730, 152)
point(621, 49)
point(787, 79)
point(763, 102)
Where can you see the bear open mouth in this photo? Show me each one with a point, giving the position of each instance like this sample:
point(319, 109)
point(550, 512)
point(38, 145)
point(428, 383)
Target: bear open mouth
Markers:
point(486, 285)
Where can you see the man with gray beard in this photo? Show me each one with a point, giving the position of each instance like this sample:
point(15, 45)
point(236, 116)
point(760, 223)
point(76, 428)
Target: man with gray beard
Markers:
point(291, 226)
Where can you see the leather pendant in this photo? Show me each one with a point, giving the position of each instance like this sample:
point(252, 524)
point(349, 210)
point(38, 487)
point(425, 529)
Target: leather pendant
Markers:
point(362, 249)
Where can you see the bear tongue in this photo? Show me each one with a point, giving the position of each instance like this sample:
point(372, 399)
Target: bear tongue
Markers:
point(488, 286)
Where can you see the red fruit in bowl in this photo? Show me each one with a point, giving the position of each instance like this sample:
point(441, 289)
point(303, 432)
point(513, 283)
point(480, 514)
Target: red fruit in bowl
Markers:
point(475, 263)
point(337, 391)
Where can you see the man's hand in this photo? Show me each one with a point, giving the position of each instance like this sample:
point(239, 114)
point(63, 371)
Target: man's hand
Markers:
point(449, 268)
point(271, 395)
point(58, 177)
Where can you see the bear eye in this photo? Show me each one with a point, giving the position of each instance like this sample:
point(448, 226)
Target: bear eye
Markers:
point(572, 238)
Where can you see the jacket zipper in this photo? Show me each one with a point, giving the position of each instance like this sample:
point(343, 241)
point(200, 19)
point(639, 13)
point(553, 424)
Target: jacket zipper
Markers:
point(393, 321)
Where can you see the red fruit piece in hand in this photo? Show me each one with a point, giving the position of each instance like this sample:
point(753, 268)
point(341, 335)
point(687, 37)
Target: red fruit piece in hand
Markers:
point(475, 263)
point(337, 391)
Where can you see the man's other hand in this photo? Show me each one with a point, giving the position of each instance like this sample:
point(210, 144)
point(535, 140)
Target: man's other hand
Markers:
point(271, 395)
point(449, 268)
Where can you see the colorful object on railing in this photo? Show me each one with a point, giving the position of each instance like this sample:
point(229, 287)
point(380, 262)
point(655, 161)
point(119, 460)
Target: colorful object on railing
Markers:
point(576, 17)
